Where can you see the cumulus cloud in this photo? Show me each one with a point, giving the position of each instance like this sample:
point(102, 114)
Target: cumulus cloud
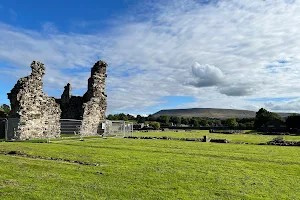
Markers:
point(292, 106)
point(209, 75)
point(237, 90)
point(206, 75)
point(150, 56)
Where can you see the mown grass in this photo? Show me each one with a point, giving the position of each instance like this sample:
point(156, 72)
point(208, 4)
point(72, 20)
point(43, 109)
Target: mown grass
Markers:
point(149, 169)
point(248, 137)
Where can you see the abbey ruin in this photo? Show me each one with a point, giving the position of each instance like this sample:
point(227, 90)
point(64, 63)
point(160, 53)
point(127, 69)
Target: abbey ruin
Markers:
point(38, 114)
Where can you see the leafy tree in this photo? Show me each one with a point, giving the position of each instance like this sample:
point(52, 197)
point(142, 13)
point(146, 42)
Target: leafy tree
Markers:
point(122, 116)
point(140, 119)
point(151, 118)
point(211, 123)
point(194, 122)
point(111, 117)
point(249, 124)
point(130, 117)
point(263, 117)
point(293, 121)
point(155, 125)
point(231, 123)
point(5, 108)
point(218, 123)
point(175, 120)
point(165, 120)
point(184, 121)
point(203, 122)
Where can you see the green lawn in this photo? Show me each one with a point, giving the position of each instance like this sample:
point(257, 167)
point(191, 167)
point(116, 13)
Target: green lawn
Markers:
point(149, 169)
point(248, 137)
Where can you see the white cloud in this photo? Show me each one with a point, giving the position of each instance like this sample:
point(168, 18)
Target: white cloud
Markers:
point(238, 39)
point(49, 27)
point(237, 90)
point(206, 75)
point(292, 106)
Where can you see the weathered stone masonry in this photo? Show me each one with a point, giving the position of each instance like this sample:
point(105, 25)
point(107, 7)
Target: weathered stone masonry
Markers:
point(91, 107)
point(39, 114)
point(94, 106)
point(71, 106)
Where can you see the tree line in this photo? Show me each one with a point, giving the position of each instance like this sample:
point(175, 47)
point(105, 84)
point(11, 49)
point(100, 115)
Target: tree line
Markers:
point(263, 118)
point(166, 121)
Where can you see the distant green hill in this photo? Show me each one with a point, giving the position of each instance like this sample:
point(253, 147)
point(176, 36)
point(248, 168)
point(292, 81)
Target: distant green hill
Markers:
point(211, 113)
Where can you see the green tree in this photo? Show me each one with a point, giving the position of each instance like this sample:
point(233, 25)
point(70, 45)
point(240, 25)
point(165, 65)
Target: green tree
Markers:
point(151, 118)
point(293, 121)
point(130, 117)
point(184, 121)
point(218, 122)
point(140, 119)
point(155, 125)
point(249, 124)
point(194, 122)
point(203, 122)
point(122, 116)
point(164, 120)
point(231, 123)
point(263, 117)
point(5, 108)
point(110, 117)
point(175, 120)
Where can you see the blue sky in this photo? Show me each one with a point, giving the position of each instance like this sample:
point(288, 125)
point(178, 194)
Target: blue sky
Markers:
point(65, 15)
point(161, 54)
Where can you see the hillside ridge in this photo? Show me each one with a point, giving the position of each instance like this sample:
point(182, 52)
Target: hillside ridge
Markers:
point(218, 113)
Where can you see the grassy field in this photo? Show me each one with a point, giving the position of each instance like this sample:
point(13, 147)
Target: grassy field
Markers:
point(249, 137)
point(148, 169)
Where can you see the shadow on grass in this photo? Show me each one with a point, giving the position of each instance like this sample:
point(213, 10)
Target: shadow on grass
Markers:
point(63, 137)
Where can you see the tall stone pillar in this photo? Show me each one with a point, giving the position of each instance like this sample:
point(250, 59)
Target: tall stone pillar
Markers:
point(94, 106)
point(38, 114)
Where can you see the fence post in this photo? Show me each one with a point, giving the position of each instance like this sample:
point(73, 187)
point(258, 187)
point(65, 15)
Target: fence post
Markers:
point(131, 129)
point(124, 129)
point(6, 128)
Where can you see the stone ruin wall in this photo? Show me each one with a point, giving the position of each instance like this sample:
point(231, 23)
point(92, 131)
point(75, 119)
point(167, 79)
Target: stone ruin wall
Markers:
point(94, 106)
point(38, 114)
point(71, 106)
point(90, 108)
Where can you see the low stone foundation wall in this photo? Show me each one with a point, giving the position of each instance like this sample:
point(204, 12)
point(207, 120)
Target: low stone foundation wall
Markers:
point(227, 131)
point(204, 139)
point(281, 142)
